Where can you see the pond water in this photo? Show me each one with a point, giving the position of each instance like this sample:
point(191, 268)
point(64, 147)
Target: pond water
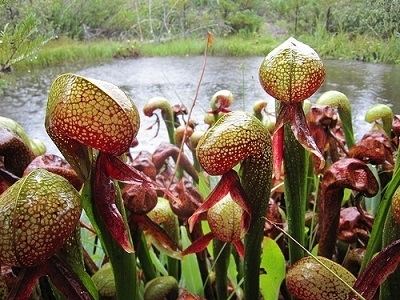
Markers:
point(176, 78)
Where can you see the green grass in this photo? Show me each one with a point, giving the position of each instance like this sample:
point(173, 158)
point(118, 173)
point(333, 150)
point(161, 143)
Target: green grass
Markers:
point(64, 51)
point(227, 46)
point(354, 47)
point(329, 46)
point(339, 46)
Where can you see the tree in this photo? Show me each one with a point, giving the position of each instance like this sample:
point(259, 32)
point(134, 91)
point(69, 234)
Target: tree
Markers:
point(19, 42)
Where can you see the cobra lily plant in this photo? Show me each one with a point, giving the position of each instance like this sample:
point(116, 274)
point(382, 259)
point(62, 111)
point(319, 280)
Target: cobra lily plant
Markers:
point(38, 215)
point(291, 73)
point(93, 122)
point(239, 138)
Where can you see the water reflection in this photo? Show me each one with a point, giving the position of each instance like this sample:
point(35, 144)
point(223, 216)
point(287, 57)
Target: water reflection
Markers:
point(177, 78)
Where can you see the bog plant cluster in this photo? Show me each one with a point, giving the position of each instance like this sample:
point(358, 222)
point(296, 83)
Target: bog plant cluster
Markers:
point(256, 207)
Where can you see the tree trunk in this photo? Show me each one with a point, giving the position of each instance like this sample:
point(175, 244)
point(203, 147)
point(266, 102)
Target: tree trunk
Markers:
point(328, 19)
point(139, 21)
point(150, 20)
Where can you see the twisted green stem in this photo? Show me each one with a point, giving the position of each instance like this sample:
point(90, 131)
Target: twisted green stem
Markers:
point(123, 263)
point(222, 252)
point(143, 254)
point(296, 169)
point(375, 240)
point(390, 289)
point(72, 254)
point(202, 262)
point(255, 174)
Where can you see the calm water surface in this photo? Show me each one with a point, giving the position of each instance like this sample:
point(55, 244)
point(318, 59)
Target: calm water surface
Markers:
point(177, 78)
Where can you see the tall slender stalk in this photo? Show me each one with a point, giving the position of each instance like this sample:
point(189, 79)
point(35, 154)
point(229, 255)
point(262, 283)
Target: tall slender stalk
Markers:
point(202, 262)
point(375, 240)
point(72, 255)
point(144, 255)
point(123, 263)
point(390, 289)
point(255, 176)
point(296, 169)
point(222, 252)
point(173, 263)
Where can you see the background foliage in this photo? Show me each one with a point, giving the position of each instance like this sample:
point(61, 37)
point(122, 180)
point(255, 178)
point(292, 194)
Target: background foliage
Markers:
point(327, 25)
point(163, 19)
